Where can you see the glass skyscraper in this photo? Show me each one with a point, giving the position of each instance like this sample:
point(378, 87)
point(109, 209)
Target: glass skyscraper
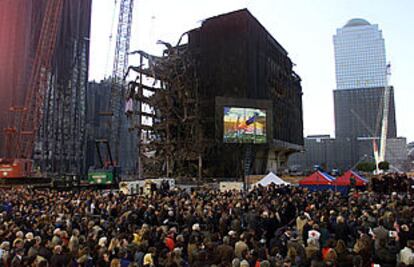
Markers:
point(361, 79)
point(361, 76)
point(359, 56)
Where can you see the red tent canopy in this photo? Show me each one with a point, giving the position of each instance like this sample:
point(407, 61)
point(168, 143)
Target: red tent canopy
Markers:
point(345, 179)
point(317, 178)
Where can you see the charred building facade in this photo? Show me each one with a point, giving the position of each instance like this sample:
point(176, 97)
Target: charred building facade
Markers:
point(241, 65)
point(229, 103)
point(60, 142)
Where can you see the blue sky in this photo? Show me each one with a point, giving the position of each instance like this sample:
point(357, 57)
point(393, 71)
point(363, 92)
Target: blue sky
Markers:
point(303, 27)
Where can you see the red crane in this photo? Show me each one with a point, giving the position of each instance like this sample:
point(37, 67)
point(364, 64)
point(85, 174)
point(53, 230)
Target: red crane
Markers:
point(20, 136)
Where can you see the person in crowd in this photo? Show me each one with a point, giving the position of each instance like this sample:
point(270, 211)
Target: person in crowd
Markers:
point(406, 255)
point(344, 257)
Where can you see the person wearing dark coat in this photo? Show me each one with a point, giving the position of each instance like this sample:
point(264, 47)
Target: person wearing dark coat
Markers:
point(385, 255)
point(224, 252)
point(103, 261)
point(58, 259)
point(282, 242)
point(341, 230)
point(17, 260)
point(305, 232)
point(380, 232)
point(404, 235)
point(44, 251)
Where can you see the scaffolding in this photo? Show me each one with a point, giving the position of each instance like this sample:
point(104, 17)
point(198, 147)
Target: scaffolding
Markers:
point(166, 114)
point(48, 106)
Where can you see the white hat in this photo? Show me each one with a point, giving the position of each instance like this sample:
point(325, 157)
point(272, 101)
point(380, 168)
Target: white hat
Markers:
point(244, 263)
point(196, 227)
point(102, 241)
point(177, 250)
point(56, 231)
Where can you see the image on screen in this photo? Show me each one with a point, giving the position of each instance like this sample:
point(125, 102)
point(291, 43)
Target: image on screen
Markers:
point(244, 125)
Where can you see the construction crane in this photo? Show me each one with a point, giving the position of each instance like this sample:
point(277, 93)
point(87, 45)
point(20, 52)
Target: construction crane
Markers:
point(379, 155)
point(120, 66)
point(119, 69)
point(383, 113)
point(23, 128)
point(384, 128)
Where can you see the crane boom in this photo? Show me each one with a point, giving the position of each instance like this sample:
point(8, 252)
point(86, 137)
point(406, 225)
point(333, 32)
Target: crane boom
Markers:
point(384, 128)
point(120, 66)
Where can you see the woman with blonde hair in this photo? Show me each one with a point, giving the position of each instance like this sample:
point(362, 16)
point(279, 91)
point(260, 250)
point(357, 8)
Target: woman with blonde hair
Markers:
point(113, 247)
point(115, 263)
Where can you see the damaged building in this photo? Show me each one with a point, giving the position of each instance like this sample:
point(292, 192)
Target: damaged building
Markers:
point(225, 104)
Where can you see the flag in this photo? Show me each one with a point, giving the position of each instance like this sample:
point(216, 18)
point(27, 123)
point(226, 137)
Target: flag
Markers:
point(252, 119)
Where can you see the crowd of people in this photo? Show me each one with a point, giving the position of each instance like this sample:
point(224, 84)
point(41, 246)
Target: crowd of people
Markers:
point(392, 182)
point(267, 226)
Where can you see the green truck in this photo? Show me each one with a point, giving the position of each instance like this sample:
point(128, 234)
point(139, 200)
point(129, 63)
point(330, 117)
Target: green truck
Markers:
point(102, 176)
point(107, 173)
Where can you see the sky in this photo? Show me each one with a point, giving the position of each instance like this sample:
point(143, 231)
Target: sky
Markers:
point(305, 28)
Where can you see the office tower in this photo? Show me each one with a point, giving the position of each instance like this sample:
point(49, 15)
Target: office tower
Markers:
point(361, 76)
point(359, 56)
point(358, 113)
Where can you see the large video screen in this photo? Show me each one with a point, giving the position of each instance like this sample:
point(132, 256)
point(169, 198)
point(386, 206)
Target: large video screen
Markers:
point(244, 125)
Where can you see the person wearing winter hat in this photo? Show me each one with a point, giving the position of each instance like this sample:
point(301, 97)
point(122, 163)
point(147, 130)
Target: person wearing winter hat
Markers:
point(244, 263)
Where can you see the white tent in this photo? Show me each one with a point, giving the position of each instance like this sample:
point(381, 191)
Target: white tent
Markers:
point(271, 178)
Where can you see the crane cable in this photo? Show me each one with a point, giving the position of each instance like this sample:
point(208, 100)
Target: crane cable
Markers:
point(110, 39)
